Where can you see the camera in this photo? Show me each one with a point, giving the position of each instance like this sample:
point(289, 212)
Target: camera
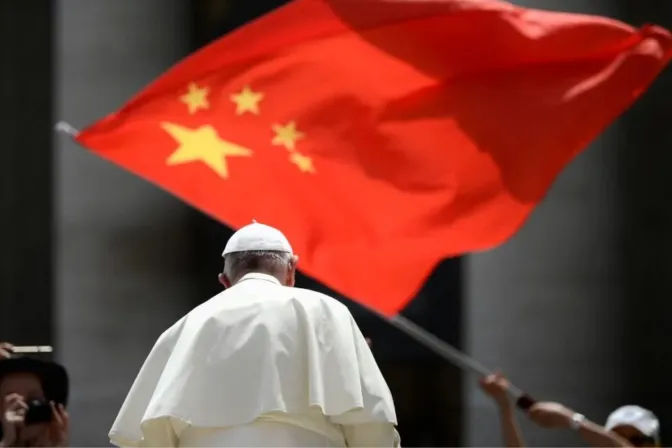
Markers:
point(38, 412)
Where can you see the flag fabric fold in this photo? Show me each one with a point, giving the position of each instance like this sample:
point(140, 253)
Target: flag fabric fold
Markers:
point(383, 136)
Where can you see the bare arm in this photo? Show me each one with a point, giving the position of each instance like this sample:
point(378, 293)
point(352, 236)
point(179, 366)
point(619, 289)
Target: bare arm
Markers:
point(595, 435)
point(511, 433)
point(496, 387)
point(556, 416)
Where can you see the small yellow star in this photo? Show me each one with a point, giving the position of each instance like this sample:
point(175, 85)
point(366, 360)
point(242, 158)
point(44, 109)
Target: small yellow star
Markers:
point(287, 135)
point(196, 98)
point(247, 100)
point(304, 163)
point(204, 145)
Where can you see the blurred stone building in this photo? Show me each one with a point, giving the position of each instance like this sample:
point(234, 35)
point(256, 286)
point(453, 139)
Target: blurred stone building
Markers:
point(98, 263)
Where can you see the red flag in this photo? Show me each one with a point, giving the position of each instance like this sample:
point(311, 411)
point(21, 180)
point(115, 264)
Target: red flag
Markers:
point(383, 136)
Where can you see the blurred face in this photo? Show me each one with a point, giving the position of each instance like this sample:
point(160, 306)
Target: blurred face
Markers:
point(25, 384)
point(29, 387)
point(634, 436)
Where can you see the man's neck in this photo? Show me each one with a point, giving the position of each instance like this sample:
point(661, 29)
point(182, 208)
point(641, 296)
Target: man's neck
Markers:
point(259, 276)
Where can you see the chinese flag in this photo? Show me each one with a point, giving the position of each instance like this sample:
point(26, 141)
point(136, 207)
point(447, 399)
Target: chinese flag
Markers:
point(383, 136)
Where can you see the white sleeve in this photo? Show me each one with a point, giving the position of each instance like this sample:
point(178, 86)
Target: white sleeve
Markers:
point(162, 432)
point(360, 432)
point(369, 435)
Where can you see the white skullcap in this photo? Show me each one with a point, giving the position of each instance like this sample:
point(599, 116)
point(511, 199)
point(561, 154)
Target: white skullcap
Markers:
point(257, 237)
point(639, 418)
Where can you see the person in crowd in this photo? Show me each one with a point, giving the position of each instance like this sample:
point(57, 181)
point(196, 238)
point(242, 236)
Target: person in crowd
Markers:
point(637, 425)
point(628, 426)
point(33, 396)
point(261, 364)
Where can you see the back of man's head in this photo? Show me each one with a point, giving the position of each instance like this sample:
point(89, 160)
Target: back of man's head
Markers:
point(277, 264)
point(257, 248)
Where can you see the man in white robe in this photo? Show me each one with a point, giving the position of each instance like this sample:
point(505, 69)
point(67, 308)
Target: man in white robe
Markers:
point(262, 364)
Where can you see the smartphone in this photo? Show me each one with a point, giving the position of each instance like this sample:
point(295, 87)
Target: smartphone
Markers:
point(38, 412)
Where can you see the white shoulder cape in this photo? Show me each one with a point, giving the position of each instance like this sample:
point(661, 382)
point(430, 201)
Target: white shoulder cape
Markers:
point(255, 348)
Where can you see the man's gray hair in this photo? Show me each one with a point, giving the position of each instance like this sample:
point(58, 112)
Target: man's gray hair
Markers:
point(237, 264)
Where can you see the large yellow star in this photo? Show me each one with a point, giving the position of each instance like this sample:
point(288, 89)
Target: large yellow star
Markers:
point(247, 100)
point(196, 98)
point(203, 145)
point(304, 163)
point(286, 135)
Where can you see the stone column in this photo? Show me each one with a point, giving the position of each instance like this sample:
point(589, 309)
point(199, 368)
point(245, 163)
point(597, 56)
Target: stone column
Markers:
point(122, 245)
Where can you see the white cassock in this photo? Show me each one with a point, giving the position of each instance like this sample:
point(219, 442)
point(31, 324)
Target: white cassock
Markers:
point(260, 365)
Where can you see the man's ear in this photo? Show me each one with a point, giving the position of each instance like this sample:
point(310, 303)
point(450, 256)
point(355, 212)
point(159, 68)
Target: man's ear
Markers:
point(224, 280)
point(291, 275)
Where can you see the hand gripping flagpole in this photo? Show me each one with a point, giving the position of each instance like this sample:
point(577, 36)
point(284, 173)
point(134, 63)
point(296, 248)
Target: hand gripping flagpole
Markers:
point(453, 355)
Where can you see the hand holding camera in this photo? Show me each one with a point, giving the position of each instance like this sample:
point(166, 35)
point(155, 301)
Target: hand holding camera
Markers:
point(20, 415)
point(13, 419)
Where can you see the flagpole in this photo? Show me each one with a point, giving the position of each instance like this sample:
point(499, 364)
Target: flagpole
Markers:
point(451, 354)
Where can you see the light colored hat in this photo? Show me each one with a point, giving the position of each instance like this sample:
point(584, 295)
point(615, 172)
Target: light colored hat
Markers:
point(257, 237)
point(642, 419)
